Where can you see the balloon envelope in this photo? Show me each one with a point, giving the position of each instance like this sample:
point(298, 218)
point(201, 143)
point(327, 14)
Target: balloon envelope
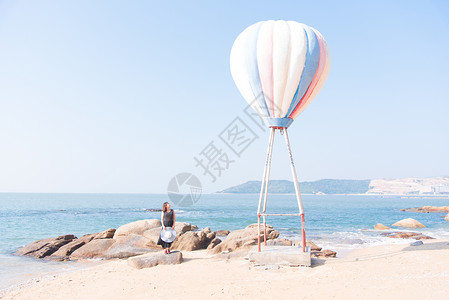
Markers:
point(279, 67)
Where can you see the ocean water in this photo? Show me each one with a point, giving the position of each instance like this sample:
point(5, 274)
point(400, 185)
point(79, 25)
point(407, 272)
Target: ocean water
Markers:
point(332, 221)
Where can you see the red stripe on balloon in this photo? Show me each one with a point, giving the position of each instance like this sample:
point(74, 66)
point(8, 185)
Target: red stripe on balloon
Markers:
point(316, 77)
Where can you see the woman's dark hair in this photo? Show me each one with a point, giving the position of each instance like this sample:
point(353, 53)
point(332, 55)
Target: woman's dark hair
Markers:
point(164, 207)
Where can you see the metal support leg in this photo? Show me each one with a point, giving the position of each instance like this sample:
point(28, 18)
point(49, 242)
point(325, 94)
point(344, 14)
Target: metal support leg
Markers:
point(270, 155)
point(298, 194)
point(263, 186)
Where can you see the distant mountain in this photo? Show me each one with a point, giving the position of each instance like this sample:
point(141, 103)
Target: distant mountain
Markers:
point(326, 186)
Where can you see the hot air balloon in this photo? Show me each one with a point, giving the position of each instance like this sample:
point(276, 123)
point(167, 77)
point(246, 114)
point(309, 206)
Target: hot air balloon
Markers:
point(279, 67)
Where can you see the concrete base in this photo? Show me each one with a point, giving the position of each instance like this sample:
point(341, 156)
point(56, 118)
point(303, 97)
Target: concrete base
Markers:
point(280, 255)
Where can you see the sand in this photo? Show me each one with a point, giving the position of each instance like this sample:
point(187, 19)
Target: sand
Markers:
point(381, 272)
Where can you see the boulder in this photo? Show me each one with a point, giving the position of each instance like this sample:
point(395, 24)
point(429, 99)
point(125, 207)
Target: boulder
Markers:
point(279, 242)
point(446, 217)
point(107, 234)
point(213, 243)
point(324, 254)
point(152, 235)
point(380, 226)
point(188, 241)
point(222, 232)
point(127, 246)
point(183, 227)
point(45, 247)
point(312, 245)
point(65, 251)
point(407, 235)
point(94, 249)
point(153, 259)
point(243, 238)
point(205, 236)
point(137, 227)
point(409, 223)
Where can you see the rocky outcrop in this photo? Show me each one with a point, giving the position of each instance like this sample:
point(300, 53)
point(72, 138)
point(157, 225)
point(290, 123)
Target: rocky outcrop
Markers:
point(141, 237)
point(380, 226)
point(45, 247)
point(65, 251)
point(154, 259)
point(428, 209)
point(137, 227)
point(407, 235)
point(243, 238)
point(409, 223)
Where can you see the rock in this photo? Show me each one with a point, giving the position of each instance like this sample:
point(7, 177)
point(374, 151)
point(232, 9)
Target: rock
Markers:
point(407, 235)
point(45, 247)
point(137, 227)
point(380, 226)
point(410, 223)
point(243, 238)
point(324, 253)
point(206, 230)
point(65, 251)
point(417, 243)
point(193, 240)
point(188, 241)
point(429, 209)
point(94, 249)
point(154, 259)
point(312, 245)
point(279, 242)
point(152, 235)
point(107, 234)
point(447, 217)
point(152, 209)
point(213, 243)
point(127, 246)
point(183, 227)
point(206, 236)
point(222, 232)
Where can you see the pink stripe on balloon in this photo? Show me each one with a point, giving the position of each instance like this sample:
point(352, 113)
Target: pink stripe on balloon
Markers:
point(316, 77)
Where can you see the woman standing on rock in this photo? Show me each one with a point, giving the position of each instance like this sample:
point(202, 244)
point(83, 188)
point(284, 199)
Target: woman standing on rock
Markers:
point(168, 234)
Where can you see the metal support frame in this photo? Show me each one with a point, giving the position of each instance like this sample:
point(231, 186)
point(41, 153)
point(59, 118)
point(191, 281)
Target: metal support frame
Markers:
point(264, 191)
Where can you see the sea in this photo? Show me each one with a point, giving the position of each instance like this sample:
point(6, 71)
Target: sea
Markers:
point(337, 222)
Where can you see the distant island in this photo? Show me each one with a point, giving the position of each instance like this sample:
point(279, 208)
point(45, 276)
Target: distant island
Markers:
point(404, 186)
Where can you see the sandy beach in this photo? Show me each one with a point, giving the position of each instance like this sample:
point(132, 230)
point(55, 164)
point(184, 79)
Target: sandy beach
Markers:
point(387, 272)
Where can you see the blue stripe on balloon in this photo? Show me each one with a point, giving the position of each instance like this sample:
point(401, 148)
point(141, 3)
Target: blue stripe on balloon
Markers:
point(253, 69)
point(310, 68)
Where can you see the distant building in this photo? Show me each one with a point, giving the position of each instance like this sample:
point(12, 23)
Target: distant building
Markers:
point(441, 189)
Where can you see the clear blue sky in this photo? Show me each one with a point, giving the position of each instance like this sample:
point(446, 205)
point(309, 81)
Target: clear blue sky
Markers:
point(119, 96)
